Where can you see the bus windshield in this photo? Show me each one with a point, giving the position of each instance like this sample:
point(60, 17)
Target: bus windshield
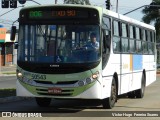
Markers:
point(59, 43)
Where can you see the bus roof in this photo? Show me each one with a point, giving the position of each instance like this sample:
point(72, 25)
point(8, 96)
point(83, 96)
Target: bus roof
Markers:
point(127, 19)
point(102, 11)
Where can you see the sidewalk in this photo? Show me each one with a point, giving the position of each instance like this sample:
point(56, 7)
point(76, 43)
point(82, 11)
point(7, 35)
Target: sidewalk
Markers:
point(8, 70)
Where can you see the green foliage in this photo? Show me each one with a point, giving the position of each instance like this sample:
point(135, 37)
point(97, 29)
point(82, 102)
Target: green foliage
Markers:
point(152, 15)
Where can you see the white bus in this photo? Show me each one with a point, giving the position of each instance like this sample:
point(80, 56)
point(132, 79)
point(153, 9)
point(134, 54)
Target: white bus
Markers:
point(58, 59)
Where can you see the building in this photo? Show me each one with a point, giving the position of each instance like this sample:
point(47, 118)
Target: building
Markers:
point(7, 52)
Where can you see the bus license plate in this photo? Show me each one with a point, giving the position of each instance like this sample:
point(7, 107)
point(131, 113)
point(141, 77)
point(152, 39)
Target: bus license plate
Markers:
point(55, 90)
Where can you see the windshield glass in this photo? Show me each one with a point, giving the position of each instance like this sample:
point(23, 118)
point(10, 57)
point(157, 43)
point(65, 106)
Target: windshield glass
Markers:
point(59, 43)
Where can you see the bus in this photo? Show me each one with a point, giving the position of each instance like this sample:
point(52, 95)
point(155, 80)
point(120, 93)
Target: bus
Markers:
point(55, 60)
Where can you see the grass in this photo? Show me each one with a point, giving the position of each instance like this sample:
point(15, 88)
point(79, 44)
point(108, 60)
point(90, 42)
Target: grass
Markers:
point(8, 73)
point(7, 92)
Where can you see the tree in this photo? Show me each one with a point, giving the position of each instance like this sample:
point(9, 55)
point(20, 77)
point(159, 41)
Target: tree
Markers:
point(152, 15)
point(77, 2)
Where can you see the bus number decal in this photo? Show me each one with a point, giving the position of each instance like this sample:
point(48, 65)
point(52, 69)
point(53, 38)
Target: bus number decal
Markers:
point(36, 76)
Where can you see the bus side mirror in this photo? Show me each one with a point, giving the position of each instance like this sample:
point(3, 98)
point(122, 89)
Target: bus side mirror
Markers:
point(15, 45)
point(13, 33)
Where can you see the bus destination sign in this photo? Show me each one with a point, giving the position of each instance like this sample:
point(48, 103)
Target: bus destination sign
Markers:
point(39, 14)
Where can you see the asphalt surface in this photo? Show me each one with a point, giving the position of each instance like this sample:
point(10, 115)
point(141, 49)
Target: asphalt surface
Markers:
point(7, 82)
point(7, 77)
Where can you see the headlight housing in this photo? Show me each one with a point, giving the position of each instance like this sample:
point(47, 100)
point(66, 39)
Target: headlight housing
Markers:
point(95, 75)
point(89, 80)
point(19, 74)
point(24, 79)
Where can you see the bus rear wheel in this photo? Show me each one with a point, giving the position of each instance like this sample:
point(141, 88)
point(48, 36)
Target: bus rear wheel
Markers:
point(43, 102)
point(140, 92)
point(108, 103)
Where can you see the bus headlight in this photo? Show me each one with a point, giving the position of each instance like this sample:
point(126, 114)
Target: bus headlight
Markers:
point(95, 75)
point(81, 83)
point(89, 80)
point(19, 75)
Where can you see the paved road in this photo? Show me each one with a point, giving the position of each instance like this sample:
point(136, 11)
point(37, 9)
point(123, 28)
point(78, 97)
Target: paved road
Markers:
point(69, 108)
point(7, 81)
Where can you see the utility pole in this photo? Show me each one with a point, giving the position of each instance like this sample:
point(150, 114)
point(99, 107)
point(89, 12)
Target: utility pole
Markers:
point(55, 1)
point(117, 7)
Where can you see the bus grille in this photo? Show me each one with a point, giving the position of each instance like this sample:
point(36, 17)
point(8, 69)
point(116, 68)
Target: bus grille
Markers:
point(58, 83)
point(63, 93)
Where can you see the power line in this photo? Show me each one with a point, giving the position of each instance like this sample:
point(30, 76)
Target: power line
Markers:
point(6, 23)
point(10, 10)
point(34, 2)
point(6, 20)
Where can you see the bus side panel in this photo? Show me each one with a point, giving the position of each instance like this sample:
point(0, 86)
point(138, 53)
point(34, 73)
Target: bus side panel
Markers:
point(152, 70)
point(106, 88)
point(113, 66)
point(126, 73)
point(136, 84)
point(146, 66)
point(22, 91)
point(137, 70)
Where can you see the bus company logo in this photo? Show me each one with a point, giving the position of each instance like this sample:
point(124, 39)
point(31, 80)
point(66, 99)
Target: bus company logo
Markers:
point(6, 114)
point(54, 65)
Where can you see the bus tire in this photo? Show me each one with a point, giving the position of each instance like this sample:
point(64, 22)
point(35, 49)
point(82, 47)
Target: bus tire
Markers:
point(140, 92)
point(131, 94)
point(108, 103)
point(43, 102)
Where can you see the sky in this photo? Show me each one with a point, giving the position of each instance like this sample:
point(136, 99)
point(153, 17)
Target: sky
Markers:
point(123, 7)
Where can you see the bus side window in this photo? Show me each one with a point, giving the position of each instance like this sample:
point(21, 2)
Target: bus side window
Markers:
point(107, 42)
point(116, 36)
point(106, 26)
point(124, 38)
point(105, 47)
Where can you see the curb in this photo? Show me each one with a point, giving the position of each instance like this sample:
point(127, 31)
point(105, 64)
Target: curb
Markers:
point(12, 99)
point(5, 74)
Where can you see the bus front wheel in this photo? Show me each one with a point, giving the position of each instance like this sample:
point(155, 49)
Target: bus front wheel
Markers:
point(43, 102)
point(108, 103)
